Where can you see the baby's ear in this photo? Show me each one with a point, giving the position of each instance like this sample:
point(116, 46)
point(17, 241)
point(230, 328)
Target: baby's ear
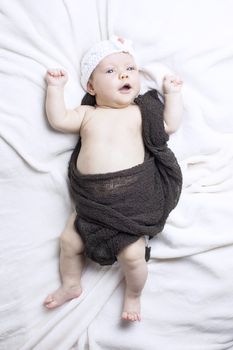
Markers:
point(90, 88)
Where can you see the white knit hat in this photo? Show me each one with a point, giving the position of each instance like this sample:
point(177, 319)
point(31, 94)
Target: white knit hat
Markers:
point(99, 51)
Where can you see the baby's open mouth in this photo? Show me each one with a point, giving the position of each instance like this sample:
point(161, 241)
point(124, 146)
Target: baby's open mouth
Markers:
point(125, 87)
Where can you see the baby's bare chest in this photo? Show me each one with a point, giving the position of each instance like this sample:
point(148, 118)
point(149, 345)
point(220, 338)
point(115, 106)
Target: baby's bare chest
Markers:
point(111, 124)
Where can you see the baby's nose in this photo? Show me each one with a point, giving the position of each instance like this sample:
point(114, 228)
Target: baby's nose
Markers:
point(123, 76)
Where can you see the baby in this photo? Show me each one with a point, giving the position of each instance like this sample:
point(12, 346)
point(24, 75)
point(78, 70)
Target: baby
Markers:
point(124, 178)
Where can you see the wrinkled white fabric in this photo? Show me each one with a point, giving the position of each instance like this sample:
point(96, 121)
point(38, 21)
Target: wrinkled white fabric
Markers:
point(187, 302)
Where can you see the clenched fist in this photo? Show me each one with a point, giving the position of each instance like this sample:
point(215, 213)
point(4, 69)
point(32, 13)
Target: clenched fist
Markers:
point(56, 77)
point(171, 84)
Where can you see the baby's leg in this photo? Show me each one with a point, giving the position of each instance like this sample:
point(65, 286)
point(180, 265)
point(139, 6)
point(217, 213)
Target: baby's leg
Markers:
point(133, 263)
point(71, 266)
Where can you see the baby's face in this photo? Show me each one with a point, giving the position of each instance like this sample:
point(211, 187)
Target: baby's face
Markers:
point(115, 82)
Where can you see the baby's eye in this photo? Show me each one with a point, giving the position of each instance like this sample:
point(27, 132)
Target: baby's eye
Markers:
point(131, 68)
point(109, 71)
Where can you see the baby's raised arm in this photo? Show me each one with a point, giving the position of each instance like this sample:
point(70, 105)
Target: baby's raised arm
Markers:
point(173, 105)
point(58, 116)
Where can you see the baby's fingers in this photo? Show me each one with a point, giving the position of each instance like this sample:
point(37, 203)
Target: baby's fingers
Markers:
point(56, 77)
point(172, 79)
point(178, 81)
point(56, 72)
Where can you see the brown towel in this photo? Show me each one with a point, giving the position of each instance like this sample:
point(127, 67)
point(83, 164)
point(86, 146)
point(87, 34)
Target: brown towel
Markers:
point(115, 209)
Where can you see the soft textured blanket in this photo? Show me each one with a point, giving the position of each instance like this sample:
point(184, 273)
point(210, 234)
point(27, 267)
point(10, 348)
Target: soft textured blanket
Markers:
point(187, 303)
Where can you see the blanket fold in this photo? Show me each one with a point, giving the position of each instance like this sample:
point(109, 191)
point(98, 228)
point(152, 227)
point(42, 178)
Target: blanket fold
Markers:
point(115, 209)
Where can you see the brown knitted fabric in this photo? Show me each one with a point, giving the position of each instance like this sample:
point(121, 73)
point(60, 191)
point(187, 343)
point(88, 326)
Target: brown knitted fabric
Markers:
point(115, 209)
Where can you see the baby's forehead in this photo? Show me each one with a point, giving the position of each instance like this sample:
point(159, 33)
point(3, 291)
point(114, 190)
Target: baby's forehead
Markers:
point(116, 59)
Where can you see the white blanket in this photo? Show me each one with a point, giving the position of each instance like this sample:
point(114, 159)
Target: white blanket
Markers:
point(187, 303)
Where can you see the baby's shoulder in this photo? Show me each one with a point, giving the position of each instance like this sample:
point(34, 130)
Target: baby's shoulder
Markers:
point(89, 112)
point(84, 109)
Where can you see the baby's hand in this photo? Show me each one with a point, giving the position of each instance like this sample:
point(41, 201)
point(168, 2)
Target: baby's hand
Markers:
point(171, 84)
point(56, 77)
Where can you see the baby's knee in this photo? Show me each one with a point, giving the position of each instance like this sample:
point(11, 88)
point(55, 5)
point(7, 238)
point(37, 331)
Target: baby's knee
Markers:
point(133, 254)
point(70, 241)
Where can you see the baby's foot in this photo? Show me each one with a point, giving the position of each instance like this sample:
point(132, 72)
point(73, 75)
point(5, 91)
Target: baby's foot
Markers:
point(61, 295)
point(131, 311)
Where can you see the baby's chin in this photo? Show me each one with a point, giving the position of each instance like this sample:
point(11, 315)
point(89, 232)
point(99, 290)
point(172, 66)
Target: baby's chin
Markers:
point(126, 99)
point(121, 102)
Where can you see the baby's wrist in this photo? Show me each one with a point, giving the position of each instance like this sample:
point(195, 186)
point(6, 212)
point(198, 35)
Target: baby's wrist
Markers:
point(55, 87)
point(169, 93)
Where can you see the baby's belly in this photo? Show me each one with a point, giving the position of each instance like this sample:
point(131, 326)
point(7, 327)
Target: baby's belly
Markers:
point(104, 159)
